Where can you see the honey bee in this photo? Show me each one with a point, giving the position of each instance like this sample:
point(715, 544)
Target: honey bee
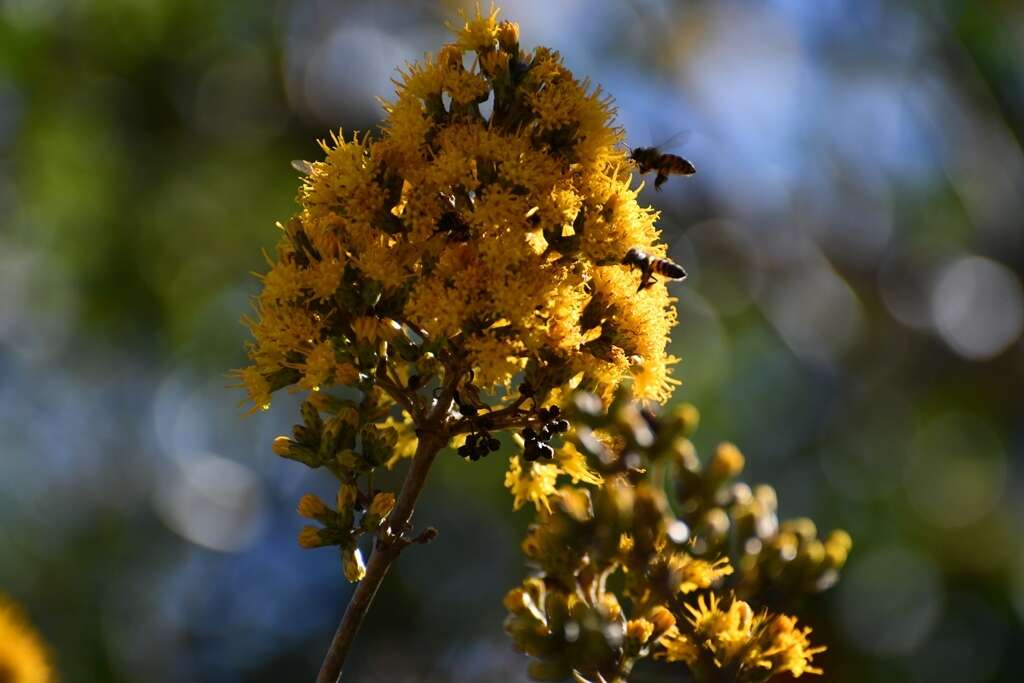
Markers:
point(651, 158)
point(649, 266)
point(303, 167)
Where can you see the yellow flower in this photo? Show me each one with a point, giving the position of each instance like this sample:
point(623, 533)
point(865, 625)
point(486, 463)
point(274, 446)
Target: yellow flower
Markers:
point(23, 656)
point(574, 464)
point(256, 385)
point(534, 484)
point(319, 366)
point(756, 646)
point(639, 630)
point(479, 32)
point(782, 647)
point(690, 573)
point(678, 647)
point(450, 220)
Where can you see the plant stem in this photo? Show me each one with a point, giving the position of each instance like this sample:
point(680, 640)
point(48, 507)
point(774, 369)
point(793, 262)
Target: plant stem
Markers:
point(433, 436)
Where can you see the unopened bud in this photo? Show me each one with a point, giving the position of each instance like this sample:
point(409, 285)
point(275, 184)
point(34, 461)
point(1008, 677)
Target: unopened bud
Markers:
point(515, 600)
point(837, 548)
point(352, 564)
point(347, 495)
point(309, 537)
point(282, 446)
point(382, 504)
point(286, 448)
point(311, 416)
point(508, 36)
point(662, 620)
point(802, 526)
point(311, 507)
point(450, 57)
point(684, 419)
point(813, 551)
point(726, 463)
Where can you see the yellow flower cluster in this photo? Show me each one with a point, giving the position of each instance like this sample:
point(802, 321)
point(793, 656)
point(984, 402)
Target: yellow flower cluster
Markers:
point(753, 646)
point(489, 218)
point(23, 657)
point(627, 577)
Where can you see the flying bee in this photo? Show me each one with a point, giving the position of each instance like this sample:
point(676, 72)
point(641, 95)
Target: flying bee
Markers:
point(303, 167)
point(651, 158)
point(649, 266)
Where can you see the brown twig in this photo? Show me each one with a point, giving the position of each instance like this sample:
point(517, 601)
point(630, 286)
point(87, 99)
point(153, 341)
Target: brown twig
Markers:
point(433, 435)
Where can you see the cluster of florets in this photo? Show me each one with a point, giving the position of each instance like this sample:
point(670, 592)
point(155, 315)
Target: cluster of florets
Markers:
point(698, 589)
point(497, 237)
point(351, 442)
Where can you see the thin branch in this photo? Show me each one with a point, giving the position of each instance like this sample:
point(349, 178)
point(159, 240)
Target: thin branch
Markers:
point(399, 396)
point(507, 417)
point(433, 435)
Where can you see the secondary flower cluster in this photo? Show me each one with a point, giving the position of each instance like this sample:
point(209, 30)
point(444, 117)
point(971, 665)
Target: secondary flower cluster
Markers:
point(691, 579)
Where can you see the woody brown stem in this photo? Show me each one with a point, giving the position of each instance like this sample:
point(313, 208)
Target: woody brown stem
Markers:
point(433, 436)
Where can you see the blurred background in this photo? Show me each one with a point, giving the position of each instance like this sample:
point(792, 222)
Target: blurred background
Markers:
point(853, 320)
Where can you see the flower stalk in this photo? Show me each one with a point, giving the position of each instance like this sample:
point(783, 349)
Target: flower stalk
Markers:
point(389, 544)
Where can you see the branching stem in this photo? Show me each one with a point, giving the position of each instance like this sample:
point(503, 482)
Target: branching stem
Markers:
point(433, 434)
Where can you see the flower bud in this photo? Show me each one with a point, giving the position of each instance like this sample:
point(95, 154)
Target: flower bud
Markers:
point(311, 507)
point(662, 620)
point(837, 548)
point(684, 419)
point(382, 504)
point(309, 537)
point(282, 446)
point(726, 463)
point(508, 36)
point(347, 495)
point(515, 600)
point(813, 552)
point(286, 448)
point(352, 564)
point(380, 507)
point(311, 416)
point(801, 526)
point(450, 57)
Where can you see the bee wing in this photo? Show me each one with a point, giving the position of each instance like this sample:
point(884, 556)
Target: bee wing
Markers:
point(676, 140)
point(303, 167)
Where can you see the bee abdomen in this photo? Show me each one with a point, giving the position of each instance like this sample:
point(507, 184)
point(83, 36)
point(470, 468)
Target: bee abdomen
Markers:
point(669, 269)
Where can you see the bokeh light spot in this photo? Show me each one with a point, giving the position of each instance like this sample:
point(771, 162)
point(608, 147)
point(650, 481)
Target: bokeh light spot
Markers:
point(977, 307)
